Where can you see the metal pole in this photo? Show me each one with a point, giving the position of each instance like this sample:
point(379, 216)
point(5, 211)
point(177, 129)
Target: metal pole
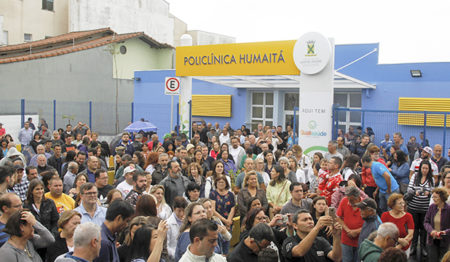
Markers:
point(178, 119)
point(334, 126)
point(171, 113)
point(363, 119)
point(22, 111)
point(424, 125)
point(445, 132)
point(294, 126)
point(54, 114)
point(90, 115)
point(132, 112)
point(190, 119)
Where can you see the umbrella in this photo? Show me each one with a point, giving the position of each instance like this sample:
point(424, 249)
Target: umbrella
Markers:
point(141, 126)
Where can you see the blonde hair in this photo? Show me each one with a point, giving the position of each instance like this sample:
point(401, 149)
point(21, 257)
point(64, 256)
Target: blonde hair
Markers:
point(156, 187)
point(66, 216)
point(247, 175)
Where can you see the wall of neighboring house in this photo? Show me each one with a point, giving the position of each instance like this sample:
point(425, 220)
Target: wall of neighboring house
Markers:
point(72, 80)
point(29, 17)
point(130, 59)
point(149, 16)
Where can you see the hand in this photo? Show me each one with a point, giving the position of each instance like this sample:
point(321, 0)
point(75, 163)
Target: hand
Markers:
point(162, 229)
point(433, 234)
point(329, 231)
point(337, 228)
point(324, 221)
point(374, 194)
point(352, 233)
point(276, 209)
point(417, 193)
point(403, 242)
point(27, 216)
point(427, 193)
point(275, 220)
point(388, 191)
point(222, 230)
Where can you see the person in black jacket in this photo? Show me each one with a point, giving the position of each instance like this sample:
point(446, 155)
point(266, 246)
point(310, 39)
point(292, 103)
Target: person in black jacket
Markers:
point(57, 160)
point(42, 208)
point(68, 222)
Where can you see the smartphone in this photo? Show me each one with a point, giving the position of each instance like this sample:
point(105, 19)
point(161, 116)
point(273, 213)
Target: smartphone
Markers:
point(332, 212)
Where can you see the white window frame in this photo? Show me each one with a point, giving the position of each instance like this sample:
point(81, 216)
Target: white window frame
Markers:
point(262, 120)
point(347, 123)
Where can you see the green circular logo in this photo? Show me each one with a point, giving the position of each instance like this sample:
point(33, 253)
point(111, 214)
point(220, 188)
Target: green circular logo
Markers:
point(312, 124)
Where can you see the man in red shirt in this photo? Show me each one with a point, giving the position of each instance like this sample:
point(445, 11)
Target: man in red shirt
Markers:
point(2, 130)
point(334, 178)
point(350, 218)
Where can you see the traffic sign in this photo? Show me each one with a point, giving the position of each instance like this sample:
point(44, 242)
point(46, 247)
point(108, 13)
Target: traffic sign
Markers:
point(172, 86)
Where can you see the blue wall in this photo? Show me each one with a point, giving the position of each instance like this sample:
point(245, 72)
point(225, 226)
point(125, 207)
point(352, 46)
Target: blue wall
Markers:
point(393, 81)
point(153, 105)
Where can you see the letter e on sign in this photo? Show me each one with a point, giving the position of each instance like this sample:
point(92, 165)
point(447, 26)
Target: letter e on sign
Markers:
point(172, 86)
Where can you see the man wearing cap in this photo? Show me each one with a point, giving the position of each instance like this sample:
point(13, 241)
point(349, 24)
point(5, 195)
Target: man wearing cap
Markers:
point(21, 185)
point(127, 185)
point(368, 209)
point(426, 154)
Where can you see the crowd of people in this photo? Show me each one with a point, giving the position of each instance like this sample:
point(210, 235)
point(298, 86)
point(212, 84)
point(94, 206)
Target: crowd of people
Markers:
point(221, 195)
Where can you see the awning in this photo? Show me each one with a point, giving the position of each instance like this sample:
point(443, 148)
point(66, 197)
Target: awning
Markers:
point(341, 81)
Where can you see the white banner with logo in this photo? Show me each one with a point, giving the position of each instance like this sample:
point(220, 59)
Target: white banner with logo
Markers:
point(314, 56)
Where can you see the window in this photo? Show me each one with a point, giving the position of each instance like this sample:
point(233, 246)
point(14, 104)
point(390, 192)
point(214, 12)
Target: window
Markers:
point(47, 5)
point(262, 109)
point(4, 38)
point(291, 100)
point(27, 37)
point(350, 100)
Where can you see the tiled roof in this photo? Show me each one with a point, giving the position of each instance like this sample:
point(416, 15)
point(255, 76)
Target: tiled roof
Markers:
point(68, 43)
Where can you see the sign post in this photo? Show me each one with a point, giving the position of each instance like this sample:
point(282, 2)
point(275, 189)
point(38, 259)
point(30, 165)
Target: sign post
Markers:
point(314, 56)
point(172, 88)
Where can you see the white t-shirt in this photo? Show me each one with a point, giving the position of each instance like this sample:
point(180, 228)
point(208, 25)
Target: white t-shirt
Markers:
point(124, 188)
point(415, 165)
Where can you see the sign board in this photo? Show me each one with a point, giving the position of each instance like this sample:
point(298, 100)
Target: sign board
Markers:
point(261, 58)
point(172, 86)
point(312, 53)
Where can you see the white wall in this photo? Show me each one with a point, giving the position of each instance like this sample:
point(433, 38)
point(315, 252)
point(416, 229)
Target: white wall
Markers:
point(123, 16)
point(13, 123)
point(207, 38)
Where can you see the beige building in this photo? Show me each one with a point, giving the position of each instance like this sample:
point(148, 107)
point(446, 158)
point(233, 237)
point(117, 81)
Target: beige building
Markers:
point(30, 20)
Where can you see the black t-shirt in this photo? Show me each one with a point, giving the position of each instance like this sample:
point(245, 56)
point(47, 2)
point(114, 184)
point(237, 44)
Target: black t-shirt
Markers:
point(104, 191)
point(317, 253)
point(241, 253)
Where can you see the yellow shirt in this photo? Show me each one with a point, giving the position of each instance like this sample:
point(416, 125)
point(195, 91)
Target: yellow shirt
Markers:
point(63, 203)
point(278, 194)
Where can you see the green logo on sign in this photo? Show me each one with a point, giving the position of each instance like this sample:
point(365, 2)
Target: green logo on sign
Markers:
point(312, 124)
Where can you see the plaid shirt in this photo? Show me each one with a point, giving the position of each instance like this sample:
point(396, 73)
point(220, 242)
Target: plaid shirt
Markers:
point(21, 189)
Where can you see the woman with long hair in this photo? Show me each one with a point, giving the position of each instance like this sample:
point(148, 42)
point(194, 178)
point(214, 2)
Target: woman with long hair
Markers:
point(319, 208)
point(437, 225)
point(138, 159)
point(37, 140)
point(146, 206)
point(223, 201)
point(26, 235)
point(67, 223)
point(184, 165)
point(80, 180)
point(259, 167)
point(125, 249)
point(349, 166)
point(43, 209)
point(402, 219)
point(217, 170)
point(148, 243)
point(151, 162)
point(400, 170)
point(277, 192)
point(269, 160)
point(195, 172)
point(249, 191)
point(215, 150)
point(198, 158)
point(164, 210)
point(228, 162)
point(113, 194)
point(290, 175)
point(192, 213)
point(420, 186)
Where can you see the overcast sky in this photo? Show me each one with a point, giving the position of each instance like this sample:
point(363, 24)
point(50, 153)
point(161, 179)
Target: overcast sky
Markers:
point(408, 31)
